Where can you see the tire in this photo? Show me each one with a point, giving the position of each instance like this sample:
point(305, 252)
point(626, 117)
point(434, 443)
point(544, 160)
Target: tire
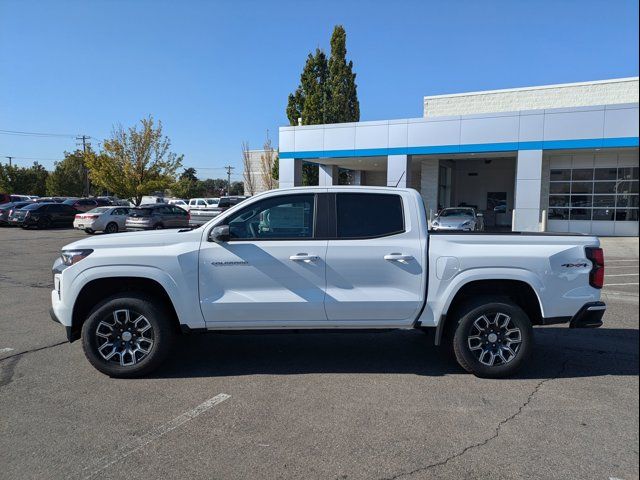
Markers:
point(110, 352)
point(158, 226)
point(489, 320)
point(89, 231)
point(112, 227)
point(44, 223)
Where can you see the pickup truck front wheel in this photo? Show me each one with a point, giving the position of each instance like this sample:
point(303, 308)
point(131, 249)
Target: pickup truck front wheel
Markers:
point(493, 339)
point(127, 336)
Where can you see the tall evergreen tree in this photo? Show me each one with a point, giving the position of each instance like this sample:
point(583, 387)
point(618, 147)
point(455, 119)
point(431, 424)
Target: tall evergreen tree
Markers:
point(327, 93)
point(343, 105)
point(308, 101)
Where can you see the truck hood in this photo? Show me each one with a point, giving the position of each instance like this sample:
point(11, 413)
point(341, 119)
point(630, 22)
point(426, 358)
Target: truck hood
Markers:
point(134, 239)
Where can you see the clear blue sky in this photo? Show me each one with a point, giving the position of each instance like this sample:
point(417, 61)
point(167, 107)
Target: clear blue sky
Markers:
point(218, 73)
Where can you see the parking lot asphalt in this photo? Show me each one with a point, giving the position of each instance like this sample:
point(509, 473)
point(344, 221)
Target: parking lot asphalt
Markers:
point(350, 406)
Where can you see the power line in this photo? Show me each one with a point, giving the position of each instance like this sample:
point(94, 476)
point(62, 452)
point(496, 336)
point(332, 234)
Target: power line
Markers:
point(36, 134)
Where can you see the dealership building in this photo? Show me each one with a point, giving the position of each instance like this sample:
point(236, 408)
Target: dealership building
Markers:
point(560, 158)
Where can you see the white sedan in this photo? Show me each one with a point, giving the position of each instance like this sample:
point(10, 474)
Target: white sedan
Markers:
point(105, 219)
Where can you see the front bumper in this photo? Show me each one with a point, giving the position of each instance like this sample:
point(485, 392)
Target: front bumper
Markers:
point(589, 316)
point(70, 335)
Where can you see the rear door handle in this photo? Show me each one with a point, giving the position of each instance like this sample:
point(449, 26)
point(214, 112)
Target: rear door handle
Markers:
point(303, 257)
point(397, 257)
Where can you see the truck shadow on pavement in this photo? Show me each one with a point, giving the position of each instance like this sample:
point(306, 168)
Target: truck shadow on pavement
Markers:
point(558, 353)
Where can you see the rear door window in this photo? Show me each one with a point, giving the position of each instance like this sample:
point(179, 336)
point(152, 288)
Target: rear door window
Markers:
point(368, 215)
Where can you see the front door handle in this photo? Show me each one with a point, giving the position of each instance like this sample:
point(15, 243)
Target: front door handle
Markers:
point(303, 257)
point(397, 257)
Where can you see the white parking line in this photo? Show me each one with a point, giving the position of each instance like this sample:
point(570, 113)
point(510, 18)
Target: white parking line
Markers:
point(620, 266)
point(6, 350)
point(612, 284)
point(126, 450)
point(623, 275)
point(620, 261)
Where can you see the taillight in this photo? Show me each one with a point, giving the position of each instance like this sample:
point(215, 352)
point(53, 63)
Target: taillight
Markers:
point(596, 276)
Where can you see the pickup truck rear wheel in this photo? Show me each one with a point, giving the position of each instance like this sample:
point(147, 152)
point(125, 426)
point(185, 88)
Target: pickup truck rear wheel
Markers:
point(127, 336)
point(493, 338)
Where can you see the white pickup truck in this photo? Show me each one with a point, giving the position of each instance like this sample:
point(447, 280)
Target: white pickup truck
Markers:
point(324, 258)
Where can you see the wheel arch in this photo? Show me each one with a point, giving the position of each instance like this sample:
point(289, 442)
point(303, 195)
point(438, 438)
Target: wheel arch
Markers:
point(521, 292)
point(97, 290)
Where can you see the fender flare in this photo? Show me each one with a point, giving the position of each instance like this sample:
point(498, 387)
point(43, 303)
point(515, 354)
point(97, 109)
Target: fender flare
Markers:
point(181, 302)
point(441, 309)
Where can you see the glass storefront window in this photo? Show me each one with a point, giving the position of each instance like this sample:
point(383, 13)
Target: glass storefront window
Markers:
point(582, 187)
point(581, 200)
point(606, 173)
point(580, 214)
point(560, 187)
point(560, 175)
point(604, 201)
point(559, 200)
point(582, 174)
point(603, 214)
point(605, 187)
point(598, 194)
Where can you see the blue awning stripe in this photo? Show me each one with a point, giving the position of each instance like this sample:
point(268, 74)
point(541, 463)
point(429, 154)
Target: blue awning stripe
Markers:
point(470, 148)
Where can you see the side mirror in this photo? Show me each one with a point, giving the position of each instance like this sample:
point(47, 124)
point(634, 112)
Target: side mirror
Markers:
point(219, 234)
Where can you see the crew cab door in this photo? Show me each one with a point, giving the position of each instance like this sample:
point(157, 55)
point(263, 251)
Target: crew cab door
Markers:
point(375, 264)
point(271, 271)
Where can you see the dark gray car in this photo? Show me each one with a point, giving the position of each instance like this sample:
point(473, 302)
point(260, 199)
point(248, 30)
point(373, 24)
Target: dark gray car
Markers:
point(6, 208)
point(154, 217)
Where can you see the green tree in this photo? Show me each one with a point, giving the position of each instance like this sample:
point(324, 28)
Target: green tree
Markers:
point(309, 100)
point(23, 180)
point(135, 162)
point(343, 105)
point(327, 93)
point(68, 176)
point(237, 188)
point(189, 173)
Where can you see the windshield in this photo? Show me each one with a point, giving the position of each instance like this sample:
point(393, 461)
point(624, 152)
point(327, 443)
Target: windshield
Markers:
point(457, 212)
point(99, 210)
point(140, 212)
point(212, 201)
point(70, 201)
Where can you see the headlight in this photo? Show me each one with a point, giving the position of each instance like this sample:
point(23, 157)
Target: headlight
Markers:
point(467, 223)
point(71, 257)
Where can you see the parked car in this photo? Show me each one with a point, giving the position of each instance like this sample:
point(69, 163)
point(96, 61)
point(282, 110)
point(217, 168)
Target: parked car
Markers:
point(43, 215)
point(6, 198)
point(7, 208)
point(51, 199)
point(459, 218)
point(102, 219)
point(197, 204)
point(200, 216)
point(325, 258)
point(155, 217)
point(81, 204)
point(179, 203)
point(151, 199)
point(102, 201)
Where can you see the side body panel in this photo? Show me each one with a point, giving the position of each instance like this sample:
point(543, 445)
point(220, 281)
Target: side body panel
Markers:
point(554, 266)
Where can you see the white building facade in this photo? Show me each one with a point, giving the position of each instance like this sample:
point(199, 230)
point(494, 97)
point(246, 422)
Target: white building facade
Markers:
point(560, 158)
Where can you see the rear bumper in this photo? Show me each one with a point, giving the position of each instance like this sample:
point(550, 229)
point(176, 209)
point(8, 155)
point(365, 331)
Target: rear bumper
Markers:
point(589, 316)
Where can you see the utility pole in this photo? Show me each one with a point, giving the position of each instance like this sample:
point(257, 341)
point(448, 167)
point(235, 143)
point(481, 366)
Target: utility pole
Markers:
point(229, 168)
point(10, 158)
point(85, 172)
